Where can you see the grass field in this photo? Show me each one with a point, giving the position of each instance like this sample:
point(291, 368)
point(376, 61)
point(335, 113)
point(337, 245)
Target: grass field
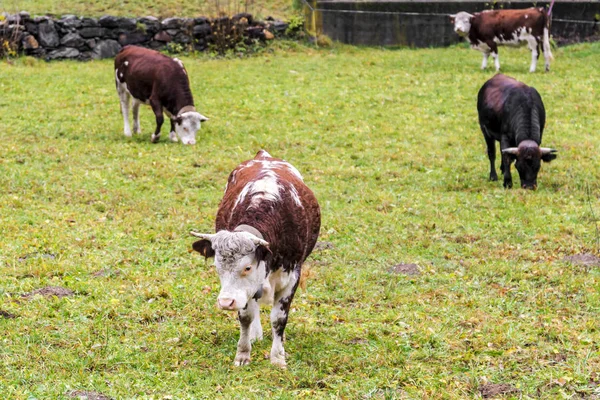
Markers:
point(389, 142)
point(157, 8)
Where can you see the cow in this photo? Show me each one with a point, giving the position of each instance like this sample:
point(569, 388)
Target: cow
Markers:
point(513, 114)
point(487, 29)
point(266, 226)
point(161, 82)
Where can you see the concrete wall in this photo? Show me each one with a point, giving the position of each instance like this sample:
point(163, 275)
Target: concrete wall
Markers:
point(425, 23)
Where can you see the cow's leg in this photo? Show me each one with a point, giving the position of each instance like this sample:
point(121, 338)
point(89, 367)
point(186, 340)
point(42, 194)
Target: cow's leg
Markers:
point(506, 162)
point(158, 113)
point(486, 54)
point(494, 51)
point(546, 48)
point(136, 116)
point(247, 318)
point(491, 151)
point(172, 134)
point(124, 98)
point(533, 46)
point(279, 317)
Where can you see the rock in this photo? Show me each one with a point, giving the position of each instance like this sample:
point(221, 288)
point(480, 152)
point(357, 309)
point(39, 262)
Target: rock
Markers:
point(172, 32)
point(201, 21)
point(108, 21)
point(71, 22)
point(201, 30)
point(151, 24)
point(106, 49)
point(163, 36)
point(43, 18)
point(47, 35)
point(238, 18)
point(132, 38)
point(182, 38)
point(91, 43)
point(91, 32)
point(268, 35)
point(72, 40)
point(156, 45)
point(65, 52)
point(31, 27)
point(279, 27)
point(25, 16)
point(29, 43)
point(85, 56)
point(172, 23)
point(88, 22)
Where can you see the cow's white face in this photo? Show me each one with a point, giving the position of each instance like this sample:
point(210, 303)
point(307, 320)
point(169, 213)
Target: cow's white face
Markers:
point(240, 262)
point(462, 23)
point(241, 279)
point(187, 124)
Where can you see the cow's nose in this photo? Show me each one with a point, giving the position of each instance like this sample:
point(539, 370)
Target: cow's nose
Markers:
point(530, 187)
point(226, 304)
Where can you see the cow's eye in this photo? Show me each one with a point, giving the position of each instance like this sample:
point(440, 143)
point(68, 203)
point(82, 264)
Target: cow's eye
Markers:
point(248, 268)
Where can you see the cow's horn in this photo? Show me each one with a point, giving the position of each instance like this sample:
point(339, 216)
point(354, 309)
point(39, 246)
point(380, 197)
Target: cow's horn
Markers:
point(511, 150)
point(259, 242)
point(452, 15)
point(203, 118)
point(547, 150)
point(208, 236)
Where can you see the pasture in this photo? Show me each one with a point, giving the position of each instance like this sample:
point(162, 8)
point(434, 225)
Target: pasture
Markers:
point(389, 142)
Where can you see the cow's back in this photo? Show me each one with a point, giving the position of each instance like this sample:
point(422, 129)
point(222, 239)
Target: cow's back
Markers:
point(270, 195)
point(143, 70)
point(501, 24)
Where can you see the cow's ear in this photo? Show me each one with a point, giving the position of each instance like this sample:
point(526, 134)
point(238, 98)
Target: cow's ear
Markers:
point(262, 253)
point(548, 157)
point(548, 154)
point(204, 247)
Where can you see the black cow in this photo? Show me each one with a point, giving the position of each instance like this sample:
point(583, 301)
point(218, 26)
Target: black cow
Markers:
point(513, 114)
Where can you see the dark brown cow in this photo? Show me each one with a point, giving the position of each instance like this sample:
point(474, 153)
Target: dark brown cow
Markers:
point(162, 82)
point(487, 29)
point(267, 224)
point(513, 114)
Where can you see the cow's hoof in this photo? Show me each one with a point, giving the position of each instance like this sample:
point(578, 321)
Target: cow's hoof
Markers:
point(173, 137)
point(507, 185)
point(242, 358)
point(155, 138)
point(127, 133)
point(493, 178)
point(279, 361)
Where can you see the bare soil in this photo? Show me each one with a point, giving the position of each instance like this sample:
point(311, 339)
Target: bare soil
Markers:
point(491, 390)
point(324, 246)
point(406, 269)
point(87, 395)
point(49, 291)
point(6, 314)
point(585, 259)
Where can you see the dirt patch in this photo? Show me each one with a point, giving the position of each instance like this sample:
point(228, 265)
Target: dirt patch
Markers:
point(87, 395)
point(49, 291)
point(7, 315)
point(491, 390)
point(585, 260)
point(406, 269)
point(357, 340)
point(324, 246)
point(49, 256)
point(106, 272)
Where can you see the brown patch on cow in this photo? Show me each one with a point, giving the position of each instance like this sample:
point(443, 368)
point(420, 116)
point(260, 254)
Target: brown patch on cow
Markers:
point(406, 269)
point(88, 395)
point(584, 259)
point(7, 315)
point(490, 390)
point(106, 272)
point(49, 291)
point(323, 246)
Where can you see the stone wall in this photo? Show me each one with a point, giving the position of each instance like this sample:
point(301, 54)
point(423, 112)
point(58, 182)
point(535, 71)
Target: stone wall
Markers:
point(83, 38)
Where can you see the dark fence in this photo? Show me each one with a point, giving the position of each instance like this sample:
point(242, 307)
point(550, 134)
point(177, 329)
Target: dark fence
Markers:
point(426, 23)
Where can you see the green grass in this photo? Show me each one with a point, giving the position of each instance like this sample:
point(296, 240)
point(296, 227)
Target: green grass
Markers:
point(157, 8)
point(389, 142)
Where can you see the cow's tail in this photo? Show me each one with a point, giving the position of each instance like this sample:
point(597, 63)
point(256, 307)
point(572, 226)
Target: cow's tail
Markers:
point(546, 38)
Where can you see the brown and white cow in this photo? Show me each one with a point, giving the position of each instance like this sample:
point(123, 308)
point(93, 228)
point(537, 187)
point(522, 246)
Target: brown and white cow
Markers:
point(513, 114)
point(267, 225)
point(162, 82)
point(487, 29)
